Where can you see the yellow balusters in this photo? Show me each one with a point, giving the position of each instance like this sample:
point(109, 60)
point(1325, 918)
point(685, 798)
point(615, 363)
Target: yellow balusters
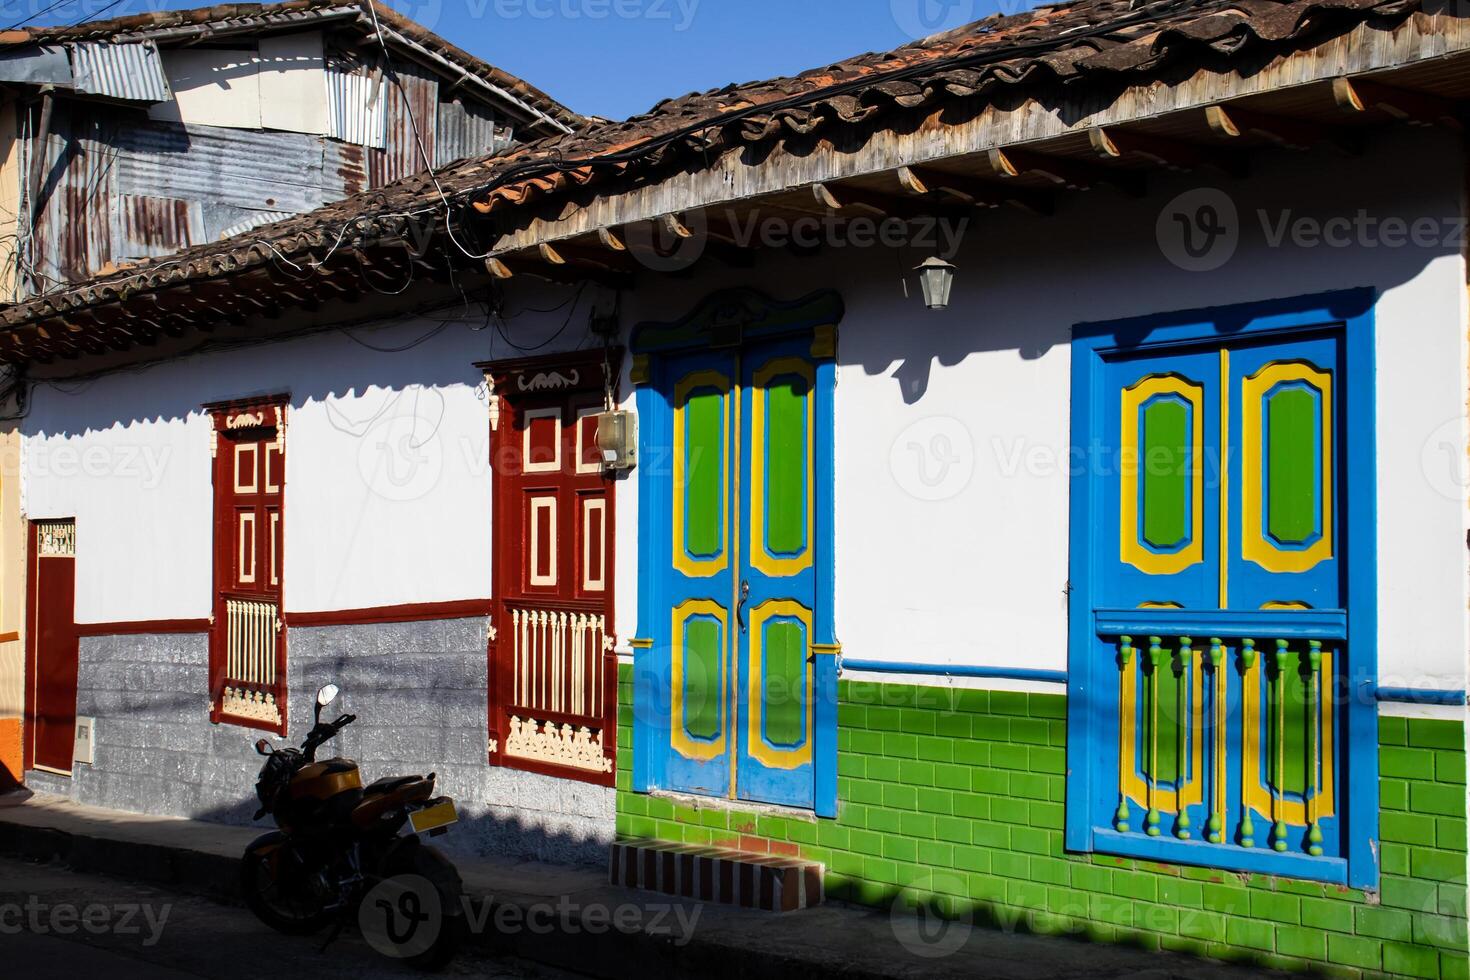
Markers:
point(1278, 790)
point(1314, 715)
point(1155, 660)
point(1247, 661)
point(1214, 829)
point(1125, 725)
point(1184, 658)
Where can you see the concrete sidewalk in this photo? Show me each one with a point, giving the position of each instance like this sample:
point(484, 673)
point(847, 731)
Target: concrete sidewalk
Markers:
point(572, 918)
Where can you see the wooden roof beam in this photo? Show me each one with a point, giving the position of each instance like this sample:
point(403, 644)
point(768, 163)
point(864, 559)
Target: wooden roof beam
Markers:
point(1421, 108)
point(973, 190)
point(1296, 134)
point(835, 197)
point(1064, 172)
point(508, 266)
point(1113, 143)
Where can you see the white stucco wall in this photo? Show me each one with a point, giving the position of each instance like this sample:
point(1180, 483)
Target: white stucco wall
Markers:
point(966, 564)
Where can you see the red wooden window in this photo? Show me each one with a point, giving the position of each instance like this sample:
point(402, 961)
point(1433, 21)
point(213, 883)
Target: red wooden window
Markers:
point(553, 673)
point(247, 644)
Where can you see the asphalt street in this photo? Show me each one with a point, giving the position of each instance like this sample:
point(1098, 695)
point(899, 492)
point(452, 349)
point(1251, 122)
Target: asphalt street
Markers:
point(57, 924)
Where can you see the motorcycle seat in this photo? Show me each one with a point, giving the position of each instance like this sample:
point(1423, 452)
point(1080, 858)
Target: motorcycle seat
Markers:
point(388, 784)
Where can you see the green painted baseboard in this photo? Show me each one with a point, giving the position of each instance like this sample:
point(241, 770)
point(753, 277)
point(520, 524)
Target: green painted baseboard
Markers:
point(954, 799)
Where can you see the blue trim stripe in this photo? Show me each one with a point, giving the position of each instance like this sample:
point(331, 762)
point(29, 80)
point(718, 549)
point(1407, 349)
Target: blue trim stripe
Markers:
point(956, 670)
point(1412, 695)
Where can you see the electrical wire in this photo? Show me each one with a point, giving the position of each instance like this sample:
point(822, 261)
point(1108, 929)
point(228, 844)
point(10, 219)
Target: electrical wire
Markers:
point(30, 17)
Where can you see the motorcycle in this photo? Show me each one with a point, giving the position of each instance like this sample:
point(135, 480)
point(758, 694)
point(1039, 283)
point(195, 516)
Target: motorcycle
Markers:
point(345, 850)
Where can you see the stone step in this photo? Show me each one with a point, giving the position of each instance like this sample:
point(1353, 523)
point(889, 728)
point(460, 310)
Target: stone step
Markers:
point(717, 874)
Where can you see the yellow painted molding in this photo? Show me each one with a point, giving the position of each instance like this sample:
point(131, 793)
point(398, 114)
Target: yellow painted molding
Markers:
point(824, 341)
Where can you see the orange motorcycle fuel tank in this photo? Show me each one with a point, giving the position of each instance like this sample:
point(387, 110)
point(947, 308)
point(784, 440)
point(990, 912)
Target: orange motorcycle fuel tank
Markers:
point(324, 792)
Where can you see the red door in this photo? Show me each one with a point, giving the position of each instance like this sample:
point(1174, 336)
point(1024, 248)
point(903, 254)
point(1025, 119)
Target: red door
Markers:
point(53, 644)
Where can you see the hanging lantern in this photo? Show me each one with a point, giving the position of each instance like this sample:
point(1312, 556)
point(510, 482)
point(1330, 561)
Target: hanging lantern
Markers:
point(936, 276)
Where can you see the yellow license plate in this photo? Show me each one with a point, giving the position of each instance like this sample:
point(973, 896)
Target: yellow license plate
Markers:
point(434, 817)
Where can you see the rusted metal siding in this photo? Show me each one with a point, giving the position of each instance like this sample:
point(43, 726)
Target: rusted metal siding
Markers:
point(411, 110)
point(466, 131)
point(264, 171)
point(72, 236)
point(146, 226)
point(120, 71)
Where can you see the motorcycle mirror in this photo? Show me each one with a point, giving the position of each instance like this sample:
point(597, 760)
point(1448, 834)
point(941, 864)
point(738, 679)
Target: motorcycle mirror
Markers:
point(263, 747)
point(325, 697)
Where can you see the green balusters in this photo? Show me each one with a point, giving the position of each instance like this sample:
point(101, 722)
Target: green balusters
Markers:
point(1214, 830)
point(1314, 715)
point(1247, 661)
point(1278, 789)
point(1156, 660)
point(1125, 727)
point(1185, 655)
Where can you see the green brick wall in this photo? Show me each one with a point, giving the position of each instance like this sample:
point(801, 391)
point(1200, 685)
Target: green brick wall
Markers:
point(955, 798)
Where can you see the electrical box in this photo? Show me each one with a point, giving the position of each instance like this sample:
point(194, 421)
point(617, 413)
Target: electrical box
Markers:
point(82, 747)
point(617, 439)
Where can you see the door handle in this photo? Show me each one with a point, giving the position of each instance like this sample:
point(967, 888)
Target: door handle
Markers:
point(740, 606)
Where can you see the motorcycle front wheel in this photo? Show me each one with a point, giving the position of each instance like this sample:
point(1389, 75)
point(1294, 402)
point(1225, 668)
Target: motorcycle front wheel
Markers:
point(274, 884)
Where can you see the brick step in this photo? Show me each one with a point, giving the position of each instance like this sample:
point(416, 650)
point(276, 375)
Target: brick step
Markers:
point(717, 874)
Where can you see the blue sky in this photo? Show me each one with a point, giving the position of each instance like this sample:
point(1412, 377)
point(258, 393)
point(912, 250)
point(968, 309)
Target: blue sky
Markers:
point(618, 57)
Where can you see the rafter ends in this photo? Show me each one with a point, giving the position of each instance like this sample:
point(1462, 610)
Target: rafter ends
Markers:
point(610, 240)
point(498, 269)
point(825, 197)
point(911, 181)
point(1103, 143)
point(1220, 122)
point(1360, 95)
point(550, 255)
point(674, 226)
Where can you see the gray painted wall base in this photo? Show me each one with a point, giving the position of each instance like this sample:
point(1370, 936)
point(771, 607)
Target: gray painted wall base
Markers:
point(418, 689)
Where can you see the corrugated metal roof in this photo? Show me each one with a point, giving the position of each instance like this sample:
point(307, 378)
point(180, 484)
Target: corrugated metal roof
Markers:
point(355, 106)
point(120, 71)
point(255, 220)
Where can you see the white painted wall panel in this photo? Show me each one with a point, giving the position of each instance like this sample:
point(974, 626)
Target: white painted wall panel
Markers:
point(293, 86)
point(211, 87)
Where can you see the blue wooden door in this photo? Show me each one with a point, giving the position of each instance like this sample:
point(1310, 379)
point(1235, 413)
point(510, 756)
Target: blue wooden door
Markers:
point(744, 672)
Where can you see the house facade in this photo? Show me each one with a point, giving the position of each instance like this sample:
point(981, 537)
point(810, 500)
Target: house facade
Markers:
point(1123, 593)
